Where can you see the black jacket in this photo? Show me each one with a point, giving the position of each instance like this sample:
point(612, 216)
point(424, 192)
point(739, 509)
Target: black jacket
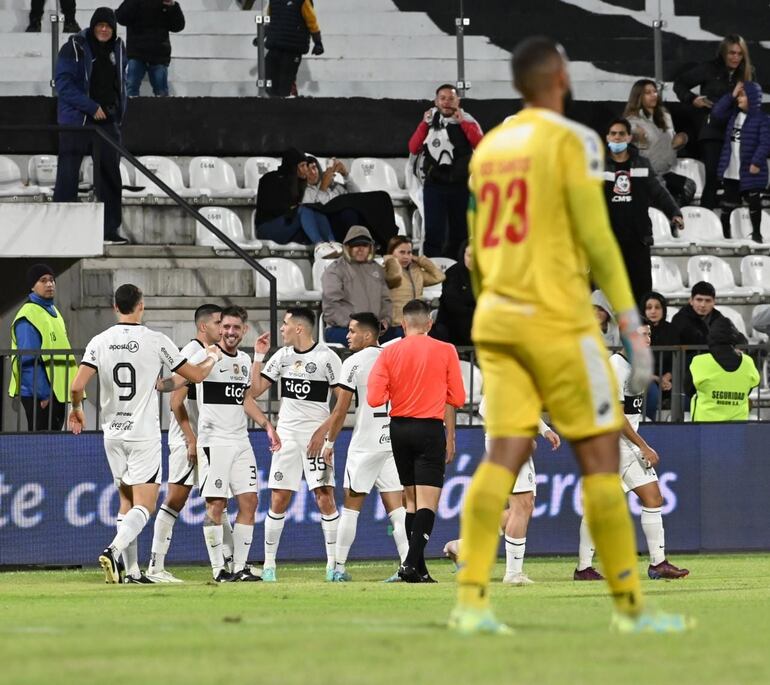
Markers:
point(456, 306)
point(628, 198)
point(714, 79)
point(148, 23)
point(693, 329)
point(287, 30)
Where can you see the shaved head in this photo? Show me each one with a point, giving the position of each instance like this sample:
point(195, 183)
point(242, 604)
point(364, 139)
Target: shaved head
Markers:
point(536, 64)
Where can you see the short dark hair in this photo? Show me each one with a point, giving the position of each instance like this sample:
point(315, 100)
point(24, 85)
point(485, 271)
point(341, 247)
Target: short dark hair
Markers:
point(302, 313)
point(367, 320)
point(396, 241)
point(446, 86)
point(206, 311)
point(532, 61)
point(703, 288)
point(646, 322)
point(127, 298)
point(417, 308)
point(622, 121)
point(235, 310)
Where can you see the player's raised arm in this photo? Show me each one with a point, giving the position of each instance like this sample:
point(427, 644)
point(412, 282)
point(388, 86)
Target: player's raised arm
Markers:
point(77, 419)
point(170, 383)
point(196, 373)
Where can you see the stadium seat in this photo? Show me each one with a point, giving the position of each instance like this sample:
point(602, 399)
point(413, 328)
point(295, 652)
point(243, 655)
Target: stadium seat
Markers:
point(11, 184)
point(281, 248)
point(735, 316)
point(703, 227)
point(755, 335)
point(740, 227)
point(227, 221)
point(290, 281)
point(666, 278)
point(214, 177)
point(661, 231)
point(693, 169)
point(167, 170)
point(413, 185)
point(87, 173)
point(671, 312)
point(433, 292)
point(400, 224)
point(471, 376)
point(717, 271)
point(320, 263)
point(418, 235)
point(755, 271)
point(41, 171)
point(255, 168)
point(370, 173)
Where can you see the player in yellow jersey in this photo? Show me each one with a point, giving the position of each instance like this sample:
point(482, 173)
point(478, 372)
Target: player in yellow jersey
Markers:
point(538, 224)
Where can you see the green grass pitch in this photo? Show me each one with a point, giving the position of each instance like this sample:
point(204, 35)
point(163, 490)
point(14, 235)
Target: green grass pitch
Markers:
point(69, 627)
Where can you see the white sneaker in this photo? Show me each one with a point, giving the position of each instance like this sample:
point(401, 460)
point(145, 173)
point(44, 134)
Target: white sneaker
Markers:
point(517, 579)
point(163, 577)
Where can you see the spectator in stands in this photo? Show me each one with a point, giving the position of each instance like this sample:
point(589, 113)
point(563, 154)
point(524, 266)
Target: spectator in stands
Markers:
point(606, 318)
point(631, 186)
point(694, 320)
point(149, 47)
point(743, 162)
point(43, 381)
point(321, 186)
point(662, 334)
point(354, 282)
point(406, 275)
point(445, 139)
point(91, 84)
point(723, 377)
point(714, 78)
point(279, 216)
point(36, 15)
point(652, 130)
point(458, 303)
point(292, 24)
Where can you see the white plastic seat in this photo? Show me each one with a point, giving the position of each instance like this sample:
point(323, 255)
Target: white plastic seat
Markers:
point(693, 169)
point(661, 231)
point(735, 316)
point(740, 226)
point(666, 278)
point(41, 171)
point(11, 183)
point(370, 173)
point(433, 292)
point(279, 248)
point(755, 271)
point(703, 227)
point(227, 221)
point(717, 271)
point(400, 224)
point(418, 234)
point(472, 373)
point(167, 170)
point(755, 335)
point(671, 312)
point(290, 281)
point(254, 168)
point(215, 177)
point(87, 172)
point(320, 262)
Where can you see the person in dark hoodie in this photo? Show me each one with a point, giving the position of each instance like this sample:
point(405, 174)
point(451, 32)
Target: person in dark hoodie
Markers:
point(723, 377)
point(631, 187)
point(149, 47)
point(280, 216)
point(91, 85)
point(457, 303)
point(743, 162)
point(662, 334)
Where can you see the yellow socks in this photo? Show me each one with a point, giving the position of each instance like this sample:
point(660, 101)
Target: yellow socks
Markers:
point(610, 525)
point(484, 501)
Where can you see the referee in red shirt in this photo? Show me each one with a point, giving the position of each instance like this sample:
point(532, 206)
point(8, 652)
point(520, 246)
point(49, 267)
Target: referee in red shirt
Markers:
point(421, 379)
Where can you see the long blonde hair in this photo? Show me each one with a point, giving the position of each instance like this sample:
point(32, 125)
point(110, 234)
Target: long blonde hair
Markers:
point(744, 72)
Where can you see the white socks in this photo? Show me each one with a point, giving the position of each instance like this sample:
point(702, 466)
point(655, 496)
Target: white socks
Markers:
point(273, 529)
point(227, 539)
point(128, 530)
point(586, 548)
point(329, 525)
point(652, 525)
point(345, 535)
point(242, 535)
point(161, 538)
point(213, 535)
point(398, 521)
point(514, 555)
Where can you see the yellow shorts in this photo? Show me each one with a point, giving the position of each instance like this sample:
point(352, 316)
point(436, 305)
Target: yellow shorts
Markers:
point(529, 365)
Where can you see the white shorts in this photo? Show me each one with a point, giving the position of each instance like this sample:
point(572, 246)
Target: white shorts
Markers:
point(364, 470)
point(526, 480)
point(134, 462)
point(231, 469)
point(180, 470)
point(632, 473)
point(291, 461)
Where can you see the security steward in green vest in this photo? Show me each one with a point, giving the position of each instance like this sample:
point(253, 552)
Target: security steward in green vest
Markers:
point(723, 377)
point(39, 325)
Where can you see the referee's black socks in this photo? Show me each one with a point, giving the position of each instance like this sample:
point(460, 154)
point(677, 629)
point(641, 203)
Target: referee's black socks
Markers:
point(409, 524)
point(422, 527)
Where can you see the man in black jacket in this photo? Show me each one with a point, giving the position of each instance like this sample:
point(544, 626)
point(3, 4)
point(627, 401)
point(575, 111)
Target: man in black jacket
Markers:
point(694, 320)
point(149, 48)
point(631, 187)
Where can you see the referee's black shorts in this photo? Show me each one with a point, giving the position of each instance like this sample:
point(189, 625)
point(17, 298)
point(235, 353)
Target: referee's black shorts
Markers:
point(419, 448)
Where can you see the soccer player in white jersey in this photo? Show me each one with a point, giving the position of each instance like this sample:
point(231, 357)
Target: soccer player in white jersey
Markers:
point(184, 470)
point(370, 458)
point(128, 358)
point(307, 372)
point(224, 404)
point(637, 472)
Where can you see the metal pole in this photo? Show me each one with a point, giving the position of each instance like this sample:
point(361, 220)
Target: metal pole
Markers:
point(657, 36)
point(56, 20)
point(262, 20)
point(460, 23)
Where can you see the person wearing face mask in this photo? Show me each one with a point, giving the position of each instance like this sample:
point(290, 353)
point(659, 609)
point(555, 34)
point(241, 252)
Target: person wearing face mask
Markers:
point(631, 186)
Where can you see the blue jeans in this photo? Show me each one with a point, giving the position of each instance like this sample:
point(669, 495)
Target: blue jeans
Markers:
point(336, 334)
point(158, 74)
point(313, 225)
point(446, 225)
